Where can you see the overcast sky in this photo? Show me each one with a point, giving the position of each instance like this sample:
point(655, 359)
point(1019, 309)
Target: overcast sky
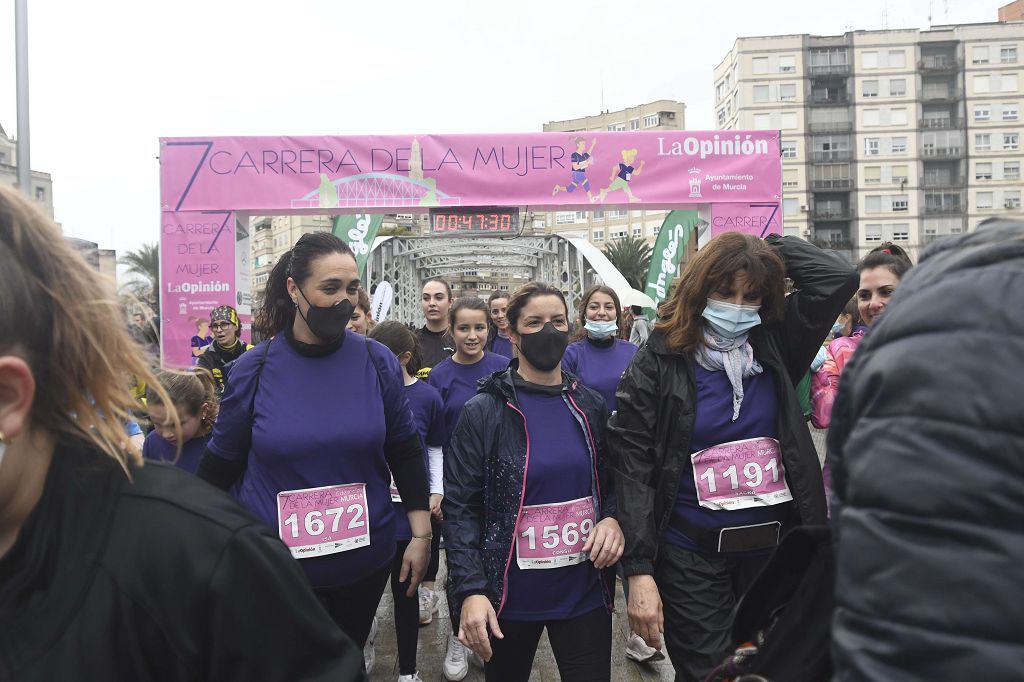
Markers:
point(109, 77)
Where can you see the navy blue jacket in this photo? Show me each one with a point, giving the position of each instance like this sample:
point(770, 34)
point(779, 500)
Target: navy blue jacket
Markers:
point(484, 477)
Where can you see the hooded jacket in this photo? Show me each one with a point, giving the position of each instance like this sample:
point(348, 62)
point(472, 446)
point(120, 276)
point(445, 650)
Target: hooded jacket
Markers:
point(485, 476)
point(649, 435)
point(927, 451)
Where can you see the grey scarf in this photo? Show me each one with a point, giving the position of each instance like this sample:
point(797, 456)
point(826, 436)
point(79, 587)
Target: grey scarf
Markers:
point(735, 356)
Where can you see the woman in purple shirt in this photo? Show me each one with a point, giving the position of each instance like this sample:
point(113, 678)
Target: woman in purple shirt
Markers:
point(311, 422)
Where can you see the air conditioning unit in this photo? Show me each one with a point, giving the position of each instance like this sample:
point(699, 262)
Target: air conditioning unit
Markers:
point(807, 234)
point(803, 209)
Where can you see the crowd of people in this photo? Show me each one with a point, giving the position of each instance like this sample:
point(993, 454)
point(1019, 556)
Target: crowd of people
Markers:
point(283, 487)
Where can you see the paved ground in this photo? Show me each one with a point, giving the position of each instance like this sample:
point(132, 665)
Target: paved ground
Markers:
point(433, 640)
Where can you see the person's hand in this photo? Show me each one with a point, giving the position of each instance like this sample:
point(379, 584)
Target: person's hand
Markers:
point(414, 564)
point(605, 544)
point(477, 616)
point(435, 506)
point(646, 617)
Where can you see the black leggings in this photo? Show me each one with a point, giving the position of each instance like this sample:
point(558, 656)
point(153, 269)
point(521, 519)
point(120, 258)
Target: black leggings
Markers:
point(352, 607)
point(582, 648)
point(407, 614)
point(435, 552)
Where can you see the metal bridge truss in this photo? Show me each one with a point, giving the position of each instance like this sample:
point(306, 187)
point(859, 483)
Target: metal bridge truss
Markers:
point(408, 262)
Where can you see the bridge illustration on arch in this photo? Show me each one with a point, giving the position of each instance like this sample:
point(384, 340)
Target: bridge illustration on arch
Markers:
point(569, 263)
point(376, 190)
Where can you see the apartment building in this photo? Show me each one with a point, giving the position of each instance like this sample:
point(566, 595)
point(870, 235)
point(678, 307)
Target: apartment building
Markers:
point(42, 183)
point(896, 135)
point(270, 237)
point(598, 224)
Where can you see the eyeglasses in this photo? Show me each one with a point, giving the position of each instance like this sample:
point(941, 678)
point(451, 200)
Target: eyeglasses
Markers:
point(220, 325)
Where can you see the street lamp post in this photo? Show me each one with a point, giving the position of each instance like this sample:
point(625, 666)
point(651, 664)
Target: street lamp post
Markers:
point(21, 50)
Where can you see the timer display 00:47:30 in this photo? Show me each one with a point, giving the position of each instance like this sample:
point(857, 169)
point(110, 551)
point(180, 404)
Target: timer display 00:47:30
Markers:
point(473, 222)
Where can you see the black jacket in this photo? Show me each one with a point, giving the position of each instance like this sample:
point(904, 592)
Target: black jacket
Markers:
point(649, 434)
point(161, 578)
point(927, 452)
point(216, 359)
point(484, 474)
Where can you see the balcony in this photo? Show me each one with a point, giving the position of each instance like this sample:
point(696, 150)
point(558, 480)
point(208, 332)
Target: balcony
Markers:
point(942, 152)
point(939, 63)
point(948, 95)
point(838, 100)
point(834, 183)
point(822, 155)
point(828, 70)
point(821, 215)
point(939, 124)
point(944, 182)
point(943, 209)
point(831, 127)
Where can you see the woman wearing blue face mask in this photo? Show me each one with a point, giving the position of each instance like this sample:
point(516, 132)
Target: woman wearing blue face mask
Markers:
point(598, 356)
point(714, 458)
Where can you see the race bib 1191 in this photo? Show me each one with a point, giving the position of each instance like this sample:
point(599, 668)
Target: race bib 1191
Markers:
point(741, 474)
point(553, 535)
point(326, 520)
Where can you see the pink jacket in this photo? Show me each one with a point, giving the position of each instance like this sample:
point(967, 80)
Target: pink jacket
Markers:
point(825, 382)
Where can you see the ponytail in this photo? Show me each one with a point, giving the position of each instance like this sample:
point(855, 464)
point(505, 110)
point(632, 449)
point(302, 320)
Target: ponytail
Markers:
point(188, 390)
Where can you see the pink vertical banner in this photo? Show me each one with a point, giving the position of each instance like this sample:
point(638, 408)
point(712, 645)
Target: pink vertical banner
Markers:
point(197, 274)
point(760, 219)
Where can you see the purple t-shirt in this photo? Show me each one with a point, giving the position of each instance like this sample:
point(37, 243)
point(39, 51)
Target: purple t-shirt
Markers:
point(502, 345)
point(599, 368)
point(159, 449)
point(559, 469)
point(457, 384)
point(319, 421)
point(759, 418)
point(428, 414)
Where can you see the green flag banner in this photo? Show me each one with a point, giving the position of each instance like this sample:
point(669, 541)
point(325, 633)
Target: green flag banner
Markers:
point(358, 231)
point(669, 248)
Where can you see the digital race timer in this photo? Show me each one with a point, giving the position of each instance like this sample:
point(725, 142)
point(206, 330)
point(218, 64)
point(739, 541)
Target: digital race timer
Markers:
point(479, 221)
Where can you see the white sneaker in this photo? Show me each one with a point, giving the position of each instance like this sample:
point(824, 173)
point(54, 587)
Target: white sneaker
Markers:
point(369, 655)
point(415, 677)
point(455, 666)
point(637, 650)
point(428, 605)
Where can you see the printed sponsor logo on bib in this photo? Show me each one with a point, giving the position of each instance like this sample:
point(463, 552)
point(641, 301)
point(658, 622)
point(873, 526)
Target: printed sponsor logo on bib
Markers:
point(553, 535)
point(326, 520)
point(741, 474)
point(395, 497)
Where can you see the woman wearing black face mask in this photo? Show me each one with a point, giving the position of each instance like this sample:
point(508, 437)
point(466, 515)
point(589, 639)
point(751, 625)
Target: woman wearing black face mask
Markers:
point(311, 422)
point(529, 514)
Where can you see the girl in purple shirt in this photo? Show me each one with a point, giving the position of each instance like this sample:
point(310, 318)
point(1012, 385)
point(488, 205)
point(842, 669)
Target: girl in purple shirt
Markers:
point(194, 396)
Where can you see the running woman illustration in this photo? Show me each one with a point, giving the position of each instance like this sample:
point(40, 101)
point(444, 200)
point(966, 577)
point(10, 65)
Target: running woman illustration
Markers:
point(621, 176)
point(580, 161)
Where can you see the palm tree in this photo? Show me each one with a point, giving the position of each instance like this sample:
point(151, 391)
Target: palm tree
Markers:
point(631, 256)
point(145, 264)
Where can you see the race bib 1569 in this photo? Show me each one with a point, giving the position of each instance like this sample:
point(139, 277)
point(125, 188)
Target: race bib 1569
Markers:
point(553, 535)
point(326, 520)
point(740, 474)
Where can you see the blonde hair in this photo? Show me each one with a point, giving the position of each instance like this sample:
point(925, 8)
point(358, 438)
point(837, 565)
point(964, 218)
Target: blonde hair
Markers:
point(64, 319)
point(188, 390)
point(629, 155)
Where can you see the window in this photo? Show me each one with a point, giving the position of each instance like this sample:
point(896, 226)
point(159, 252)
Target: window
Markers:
point(871, 146)
point(790, 206)
point(898, 117)
point(618, 234)
point(899, 145)
point(897, 59)
point(873, 203)
point(1011, 141)
point(565, 217)
point(899, 202)
point(871, 117)
point(869, 60)
point(983, 171)
point(721, 118)
point(40, 194)
point(981, 84)
point(897, 87)
point(873, 233)
point(1008, 83)
point(760, 93)
point(598, 215)
point(581, 217)
point(790, 177)
point(787, 92)
point(982, 113)
point(652, 120)
point(1011, 199)
point(616, 126)
point(1011, 112)
point(787, 63)
point(900, 174)
point(900, 232)
point(760, 65)
point(983, 142)
point(983, 200)
point(869, 88)
point(3, 157)
point(789, 149)
point(980, 55)
point(1011, 170)
point(638, 231)
point(598, 235)
point(1008, 54)
point(872, 175)
point(788, 121)
point(634, 124)
point(762, 121)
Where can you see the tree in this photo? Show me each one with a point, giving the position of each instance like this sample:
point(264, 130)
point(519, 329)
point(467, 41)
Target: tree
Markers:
point(631, 256)
point(145, 264)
